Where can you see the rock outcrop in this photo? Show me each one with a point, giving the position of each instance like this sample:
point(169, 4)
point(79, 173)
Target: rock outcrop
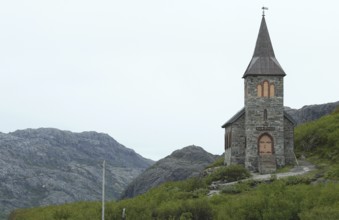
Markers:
point(48, 166)
point(311, 112)
point(181, 164)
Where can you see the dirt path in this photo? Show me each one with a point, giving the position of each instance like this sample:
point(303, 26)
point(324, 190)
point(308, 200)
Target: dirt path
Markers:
point(303, 168)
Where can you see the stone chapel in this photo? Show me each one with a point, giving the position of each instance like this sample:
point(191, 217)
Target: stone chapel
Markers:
point(261, 135)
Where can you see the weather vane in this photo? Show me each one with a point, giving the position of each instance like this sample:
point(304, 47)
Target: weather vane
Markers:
point(263, 10)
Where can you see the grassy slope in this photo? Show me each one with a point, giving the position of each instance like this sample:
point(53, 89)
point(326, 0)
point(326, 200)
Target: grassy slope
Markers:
point(291, 198)
point(319, 142)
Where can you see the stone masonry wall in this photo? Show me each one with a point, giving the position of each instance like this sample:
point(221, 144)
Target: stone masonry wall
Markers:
point(254, 119)
point(238, 141)
point(227, 160)
point(228, 150)
point(289, 142)
point(235, 154)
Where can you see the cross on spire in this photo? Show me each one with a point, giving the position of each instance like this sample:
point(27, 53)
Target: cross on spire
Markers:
point(263, 10)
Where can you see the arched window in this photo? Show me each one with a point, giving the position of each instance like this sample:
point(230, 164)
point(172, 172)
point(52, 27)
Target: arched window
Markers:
point(259, 90)
point(272, 90)
point(266, 89)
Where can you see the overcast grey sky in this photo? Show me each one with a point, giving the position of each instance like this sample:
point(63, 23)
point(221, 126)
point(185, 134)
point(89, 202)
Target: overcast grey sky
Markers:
point(156, 75)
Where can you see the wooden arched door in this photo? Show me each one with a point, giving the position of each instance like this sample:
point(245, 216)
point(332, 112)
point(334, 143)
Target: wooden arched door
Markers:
point(265, 143)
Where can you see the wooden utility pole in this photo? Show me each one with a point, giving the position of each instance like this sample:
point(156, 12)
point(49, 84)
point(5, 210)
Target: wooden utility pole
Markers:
point(103, 191)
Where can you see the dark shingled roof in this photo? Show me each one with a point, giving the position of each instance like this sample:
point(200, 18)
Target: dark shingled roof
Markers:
point(290, 118)
point(263, 61)
point(242, 111)
point(235, 117)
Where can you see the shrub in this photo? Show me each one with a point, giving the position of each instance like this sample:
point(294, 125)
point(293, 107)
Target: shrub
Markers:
point(200, 209)
point(200, 192)
point(61, 214)
point(273, 177)
point(321, 213)
point(197, 209)
point(239, 187)
point(193, 184)
point(319, 138)
point(332, 173)
point(232, 189)
point(295, 180)
point(186, 216)
point(217, 163)
point(228, 174)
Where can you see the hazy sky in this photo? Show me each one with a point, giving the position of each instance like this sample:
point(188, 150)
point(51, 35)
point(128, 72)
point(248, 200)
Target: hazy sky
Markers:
point(155, 75)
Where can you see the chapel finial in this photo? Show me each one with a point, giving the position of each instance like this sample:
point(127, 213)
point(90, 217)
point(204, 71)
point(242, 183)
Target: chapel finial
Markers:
point(263, 10)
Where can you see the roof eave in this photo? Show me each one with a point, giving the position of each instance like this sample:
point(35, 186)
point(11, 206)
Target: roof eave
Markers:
point(290, 118)
point(252, 74)
point(234, 117)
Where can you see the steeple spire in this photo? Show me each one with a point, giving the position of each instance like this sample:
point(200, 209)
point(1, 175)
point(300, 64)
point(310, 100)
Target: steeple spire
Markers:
point(263, 47)
point(263, 61)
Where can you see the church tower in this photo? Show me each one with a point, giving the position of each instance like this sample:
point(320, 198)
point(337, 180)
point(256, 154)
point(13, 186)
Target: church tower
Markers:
point(260, 136)
point(264, 106)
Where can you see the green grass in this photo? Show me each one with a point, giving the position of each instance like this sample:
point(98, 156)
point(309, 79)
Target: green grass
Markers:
point(282, 199)
point(228, 174)
point(289, 198)
point(319, 139)
point(218, 162)
point(284, 169)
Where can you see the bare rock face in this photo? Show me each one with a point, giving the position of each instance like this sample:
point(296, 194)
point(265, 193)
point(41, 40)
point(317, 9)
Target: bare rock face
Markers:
point(181, 164)
point(48, 166)
point(311, 112)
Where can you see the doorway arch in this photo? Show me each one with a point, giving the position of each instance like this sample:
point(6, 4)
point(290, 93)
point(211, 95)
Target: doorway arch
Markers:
point(265, 144)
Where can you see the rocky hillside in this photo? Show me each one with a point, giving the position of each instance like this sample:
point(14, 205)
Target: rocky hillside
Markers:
point(311, 112)
point(50, 166)
point(181, 164)
point(311, 196)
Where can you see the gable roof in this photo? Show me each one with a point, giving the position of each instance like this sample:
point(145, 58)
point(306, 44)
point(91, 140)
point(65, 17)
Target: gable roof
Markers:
point(234, 118)
point(263, 61)
point(290, 118)
point(242, 112)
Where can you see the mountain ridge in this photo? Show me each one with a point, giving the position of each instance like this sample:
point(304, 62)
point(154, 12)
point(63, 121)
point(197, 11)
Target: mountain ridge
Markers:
point(311, 112)
point(49, 166)
point(180, 164)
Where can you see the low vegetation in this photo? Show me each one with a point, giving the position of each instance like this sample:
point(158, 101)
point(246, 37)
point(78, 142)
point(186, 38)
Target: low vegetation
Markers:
point(292, 198)
point(217, 163)
point(228, 174)
point(320, 138)
point(297, 197)
point(319, 142)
